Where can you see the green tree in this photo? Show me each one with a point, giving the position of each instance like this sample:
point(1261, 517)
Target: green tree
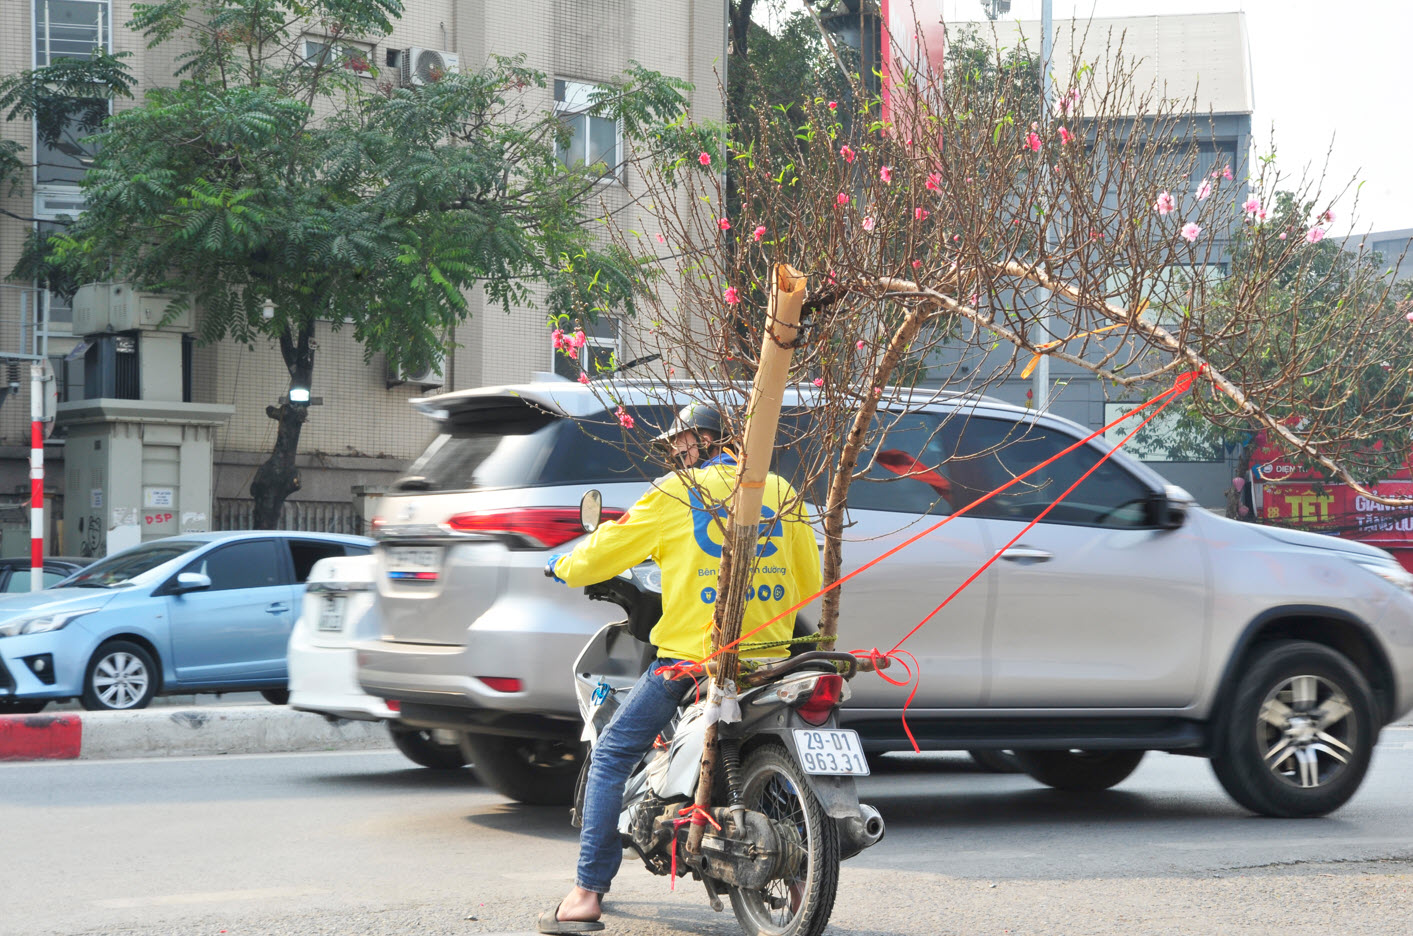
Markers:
point(265, 178)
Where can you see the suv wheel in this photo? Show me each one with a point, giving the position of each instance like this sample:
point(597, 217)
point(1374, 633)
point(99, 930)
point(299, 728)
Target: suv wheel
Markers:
point(1079, 771)
point(1299, 732)
point(528, 770)
point(423, 749)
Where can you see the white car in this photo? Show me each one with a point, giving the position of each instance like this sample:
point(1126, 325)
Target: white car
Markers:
point(340, 609)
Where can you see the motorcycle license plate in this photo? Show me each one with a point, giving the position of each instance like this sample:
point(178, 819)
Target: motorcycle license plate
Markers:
point(331, 614)
point(831, 752)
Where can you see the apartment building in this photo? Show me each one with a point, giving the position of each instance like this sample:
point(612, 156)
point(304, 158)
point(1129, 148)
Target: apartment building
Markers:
point(361, 432)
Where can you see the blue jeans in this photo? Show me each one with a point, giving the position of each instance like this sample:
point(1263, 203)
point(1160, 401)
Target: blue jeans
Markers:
point(649, 708)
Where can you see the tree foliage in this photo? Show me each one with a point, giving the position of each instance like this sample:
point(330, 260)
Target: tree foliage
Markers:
point(321, 188)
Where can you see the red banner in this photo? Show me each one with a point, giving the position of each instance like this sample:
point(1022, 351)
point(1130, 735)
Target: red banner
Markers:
point(1338, 510)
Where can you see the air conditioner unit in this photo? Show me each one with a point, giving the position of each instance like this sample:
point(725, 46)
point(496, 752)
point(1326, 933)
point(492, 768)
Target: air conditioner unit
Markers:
point(428, 377)
point(422, 66)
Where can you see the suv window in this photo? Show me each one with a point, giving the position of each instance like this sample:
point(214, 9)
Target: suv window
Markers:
point(500, 446)
point(305, 553)
point(992, 452)
point(598, 450)
point(252, 564)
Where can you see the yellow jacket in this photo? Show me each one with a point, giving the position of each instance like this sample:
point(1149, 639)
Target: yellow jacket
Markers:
point(680, 526)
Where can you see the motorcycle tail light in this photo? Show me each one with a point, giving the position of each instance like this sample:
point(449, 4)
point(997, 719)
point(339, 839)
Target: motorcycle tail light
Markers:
point(501, 683)
point(533, 527)
point(828, 693)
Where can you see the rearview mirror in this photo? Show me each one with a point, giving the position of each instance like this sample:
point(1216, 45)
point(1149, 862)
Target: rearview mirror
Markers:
point(192, 581)
point(590, 510)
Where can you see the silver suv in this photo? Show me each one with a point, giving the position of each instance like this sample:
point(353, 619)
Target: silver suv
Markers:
point(1127, 620)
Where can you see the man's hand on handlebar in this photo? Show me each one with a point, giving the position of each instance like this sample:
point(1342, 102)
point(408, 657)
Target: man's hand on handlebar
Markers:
point(549, 569)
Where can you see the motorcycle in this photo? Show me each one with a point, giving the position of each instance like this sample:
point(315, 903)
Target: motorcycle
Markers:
point(786, 810)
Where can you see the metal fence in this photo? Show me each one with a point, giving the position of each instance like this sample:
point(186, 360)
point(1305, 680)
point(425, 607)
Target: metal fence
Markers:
point(238, 513)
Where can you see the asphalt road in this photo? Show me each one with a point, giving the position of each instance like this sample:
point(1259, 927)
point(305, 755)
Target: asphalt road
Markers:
point(364, 843)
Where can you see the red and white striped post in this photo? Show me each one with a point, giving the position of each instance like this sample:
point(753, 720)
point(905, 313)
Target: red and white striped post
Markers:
point(36, 476)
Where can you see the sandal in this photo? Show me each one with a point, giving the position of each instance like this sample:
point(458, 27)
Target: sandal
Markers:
point(549, 922)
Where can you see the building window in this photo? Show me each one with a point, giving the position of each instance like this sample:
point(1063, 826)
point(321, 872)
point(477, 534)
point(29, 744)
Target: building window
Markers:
point(598, 358)
point(347, 55)
point(69, 29)
point(591, 140)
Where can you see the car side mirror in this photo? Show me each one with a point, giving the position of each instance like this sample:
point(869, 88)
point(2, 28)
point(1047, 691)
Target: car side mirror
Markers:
point(192, 581)
point(1166, 513)
point(591, 510)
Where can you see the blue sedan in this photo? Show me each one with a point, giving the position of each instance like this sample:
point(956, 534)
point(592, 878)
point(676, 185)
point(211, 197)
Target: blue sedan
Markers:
point(205, 612)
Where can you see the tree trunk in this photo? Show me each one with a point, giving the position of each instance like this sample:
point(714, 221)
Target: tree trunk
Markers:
point(278, 477)
point(838, 498)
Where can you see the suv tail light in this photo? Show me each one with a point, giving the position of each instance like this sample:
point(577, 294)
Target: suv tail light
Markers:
point(828, 693)
point(532, 527)
point(501, 683)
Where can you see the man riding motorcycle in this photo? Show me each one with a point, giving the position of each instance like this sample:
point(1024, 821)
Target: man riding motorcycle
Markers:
point(679, 523)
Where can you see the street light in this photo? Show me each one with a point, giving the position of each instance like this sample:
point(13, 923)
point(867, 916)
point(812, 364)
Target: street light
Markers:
point(299, 394)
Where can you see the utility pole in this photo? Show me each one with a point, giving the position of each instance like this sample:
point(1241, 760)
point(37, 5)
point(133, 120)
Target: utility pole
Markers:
point(1040, 389)
point(37, 381)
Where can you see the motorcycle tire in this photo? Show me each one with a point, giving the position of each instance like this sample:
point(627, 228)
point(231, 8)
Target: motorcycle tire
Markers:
point(772, 783)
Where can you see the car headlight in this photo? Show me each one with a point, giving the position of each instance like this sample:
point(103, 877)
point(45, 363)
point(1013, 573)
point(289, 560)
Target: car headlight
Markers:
point(1390, 572)
point(41, 623)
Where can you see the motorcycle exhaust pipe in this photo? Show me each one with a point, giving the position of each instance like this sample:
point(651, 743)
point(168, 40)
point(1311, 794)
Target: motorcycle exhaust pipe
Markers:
point(859, 832)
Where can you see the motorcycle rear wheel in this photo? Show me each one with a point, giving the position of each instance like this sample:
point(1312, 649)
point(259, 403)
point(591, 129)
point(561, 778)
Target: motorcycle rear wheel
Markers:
point(772, 783)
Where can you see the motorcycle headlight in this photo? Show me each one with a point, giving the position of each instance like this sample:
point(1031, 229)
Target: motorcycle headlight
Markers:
point(41, 623)
point(1390, 572)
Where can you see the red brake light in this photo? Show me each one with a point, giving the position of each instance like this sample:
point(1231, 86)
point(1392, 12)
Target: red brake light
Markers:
point(394, 705)
point(827, 694)
point(501, 683)
point(538, 527)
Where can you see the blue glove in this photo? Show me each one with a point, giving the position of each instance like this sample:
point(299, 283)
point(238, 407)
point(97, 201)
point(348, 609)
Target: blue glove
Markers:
point(549, 568)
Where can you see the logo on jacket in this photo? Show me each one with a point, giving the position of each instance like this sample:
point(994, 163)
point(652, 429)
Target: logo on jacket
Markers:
point(705, 518)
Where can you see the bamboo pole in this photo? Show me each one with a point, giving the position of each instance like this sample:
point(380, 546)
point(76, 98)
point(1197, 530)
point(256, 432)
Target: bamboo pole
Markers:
point(743, 517)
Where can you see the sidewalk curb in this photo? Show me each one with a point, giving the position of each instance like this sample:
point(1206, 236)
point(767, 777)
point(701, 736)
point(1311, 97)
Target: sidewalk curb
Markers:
point(255, 729)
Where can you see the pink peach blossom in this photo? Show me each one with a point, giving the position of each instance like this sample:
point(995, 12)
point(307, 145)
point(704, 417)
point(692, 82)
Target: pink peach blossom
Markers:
point(1314, 235)
point(1065, 136)
point(733, 297)
point(860, 344)
point(580, 339)
point(841, 198)
point(1165, 203)
point(724, 224)
point(1226, 173)
point(818, 381)
point(1204, 190)
point(661, 239)
point(1410, 318)
point(921, 213)
point(886, 173)
point(583, 377)
point(868, 223)
point(1252, 205)
point(1282, 235)
point(846, 153)
point(1032, 141)
point(916, 264)
point(1190, 230)
point(1328, 217)
point(624, 419)
point(833, 105)
point(704, 159)
point(758, 233)
point(934, 181)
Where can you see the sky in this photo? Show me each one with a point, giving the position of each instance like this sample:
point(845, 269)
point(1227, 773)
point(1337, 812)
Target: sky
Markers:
point(1322, 71)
